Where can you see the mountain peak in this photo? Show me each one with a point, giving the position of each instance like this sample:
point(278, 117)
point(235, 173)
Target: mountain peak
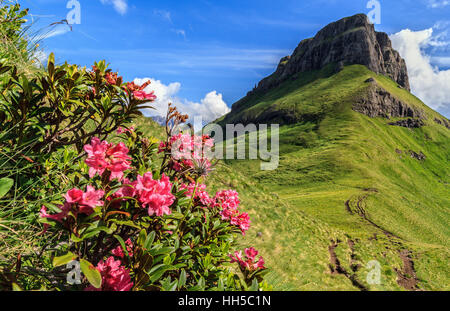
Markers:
point(348, 41)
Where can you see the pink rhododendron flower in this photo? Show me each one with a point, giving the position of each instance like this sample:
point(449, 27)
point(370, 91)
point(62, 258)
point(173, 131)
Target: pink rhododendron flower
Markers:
point(78, 201)
point(118, 251)
point(162, 147)
point(138, 91)
point(188, 151)
point(122, 130)
point(156, 195)
point(128, 189)
point(248, 262)
point(74, 196)
point(65, 209)
point(142, 95)
point(227, 199)
point(102, 156)
point(228, 202)
point(112, 78)
point(200, 193)
point(91, 197)
point(251, 253)
point(114, 276)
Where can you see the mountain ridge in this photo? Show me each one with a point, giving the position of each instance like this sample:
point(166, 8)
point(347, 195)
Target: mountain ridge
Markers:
point(364, 175)
point(348, 41)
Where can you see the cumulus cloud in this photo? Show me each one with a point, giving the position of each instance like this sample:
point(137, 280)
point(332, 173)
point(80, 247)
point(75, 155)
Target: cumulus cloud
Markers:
point(428, 82)
point(121, 6)
point(211, 107)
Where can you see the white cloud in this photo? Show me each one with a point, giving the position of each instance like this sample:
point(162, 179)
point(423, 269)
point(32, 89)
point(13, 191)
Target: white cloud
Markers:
point(428, 82)
point(121, 6)
point(166, 15)
point(211, 107)
point(438, 3)
point(180, 32)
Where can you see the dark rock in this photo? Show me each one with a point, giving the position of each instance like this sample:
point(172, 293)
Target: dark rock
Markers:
point(351, 40)
point(443, 122)
point(377, 102)
point(419, 156)
point(409, 123)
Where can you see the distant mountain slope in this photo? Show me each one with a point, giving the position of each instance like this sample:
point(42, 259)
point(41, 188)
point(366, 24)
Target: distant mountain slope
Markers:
point(364, 170)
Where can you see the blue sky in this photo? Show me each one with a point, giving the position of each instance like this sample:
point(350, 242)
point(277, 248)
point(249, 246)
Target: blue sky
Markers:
point(196, 47)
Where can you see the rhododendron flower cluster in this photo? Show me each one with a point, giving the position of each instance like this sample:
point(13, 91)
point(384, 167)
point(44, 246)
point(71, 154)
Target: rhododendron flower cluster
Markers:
point(122, 130)
point(83, 203)
point(138, 91)
point(228, 202)
point(114, 276)
point(201, 195)
point(127, 190)
point(104, 156)
point(113, 79)
point(155, 194)
point(118, 251)
point(77, 202)
point(248, 261)
point(188, 150)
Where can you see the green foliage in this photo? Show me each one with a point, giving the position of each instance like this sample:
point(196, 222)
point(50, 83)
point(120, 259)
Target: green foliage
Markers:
point(56, 107)
point(16, 49)
point(47, 117)
point(5, 185)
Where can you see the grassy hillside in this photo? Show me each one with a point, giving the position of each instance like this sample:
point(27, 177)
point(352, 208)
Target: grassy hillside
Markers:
point(344, 176)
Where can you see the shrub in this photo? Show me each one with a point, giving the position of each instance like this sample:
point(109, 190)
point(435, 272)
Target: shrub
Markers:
point(147, 226)
point(135, 214)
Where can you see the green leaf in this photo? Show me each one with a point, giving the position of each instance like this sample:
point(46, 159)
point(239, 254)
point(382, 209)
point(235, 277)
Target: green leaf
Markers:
point(51, 64)
point(220, 285)
point(122, 243)
point(92, 274)
point(162, 251)
point(175, 216)
point(149, 241)
point(64, 259)
point(5, 185)
point(142, 237)
point(182, 279)
point(159, 273)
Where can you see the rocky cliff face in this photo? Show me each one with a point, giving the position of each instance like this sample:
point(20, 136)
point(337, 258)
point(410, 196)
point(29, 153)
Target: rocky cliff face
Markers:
point(352, 40)
point(377, 102)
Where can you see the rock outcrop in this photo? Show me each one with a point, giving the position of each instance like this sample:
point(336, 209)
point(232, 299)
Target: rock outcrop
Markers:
point(409, 123)
point(349, 41)
point(377, 102)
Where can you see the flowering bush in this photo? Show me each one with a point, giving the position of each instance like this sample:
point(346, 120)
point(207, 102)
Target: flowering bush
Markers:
point(137, 223)
point(135, 214)
point(66, 105)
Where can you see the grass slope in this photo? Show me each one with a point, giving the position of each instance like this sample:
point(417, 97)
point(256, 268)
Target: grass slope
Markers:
point(344, 176)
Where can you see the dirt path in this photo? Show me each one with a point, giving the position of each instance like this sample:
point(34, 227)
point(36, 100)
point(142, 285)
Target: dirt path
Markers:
point(360, 209)
point(336, 267)
point(407, 276)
